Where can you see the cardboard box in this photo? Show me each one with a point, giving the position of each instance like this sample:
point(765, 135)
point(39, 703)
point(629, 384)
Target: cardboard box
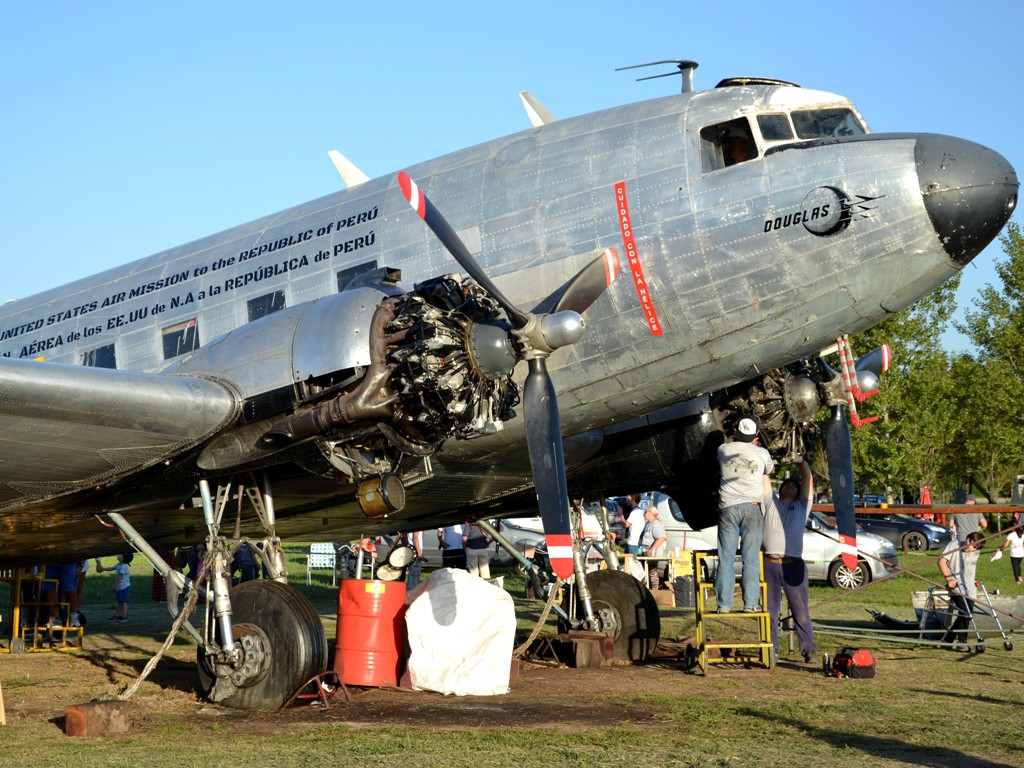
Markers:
point(666, 597)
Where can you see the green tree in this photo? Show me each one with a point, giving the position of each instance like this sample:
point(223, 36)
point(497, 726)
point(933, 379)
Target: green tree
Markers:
point(986, 450)
point(905, 448)
point(991, 382)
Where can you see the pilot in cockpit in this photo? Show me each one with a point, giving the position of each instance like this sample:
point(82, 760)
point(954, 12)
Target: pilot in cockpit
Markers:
point(736, 147)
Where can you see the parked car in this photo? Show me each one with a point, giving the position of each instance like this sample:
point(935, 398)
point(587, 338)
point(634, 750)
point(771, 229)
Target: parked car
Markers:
point(906, 531)
point(525, 534)
point(877, 557)
point(870, 500)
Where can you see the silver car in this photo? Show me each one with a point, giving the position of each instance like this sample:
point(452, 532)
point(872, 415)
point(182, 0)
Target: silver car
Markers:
point(876, 556)
point(525, 535)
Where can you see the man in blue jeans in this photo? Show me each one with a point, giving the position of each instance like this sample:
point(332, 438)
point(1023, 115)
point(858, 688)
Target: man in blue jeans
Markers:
point(745, 465)
point(785, 521)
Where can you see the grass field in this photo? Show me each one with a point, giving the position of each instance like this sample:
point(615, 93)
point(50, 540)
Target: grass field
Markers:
point(927, 706)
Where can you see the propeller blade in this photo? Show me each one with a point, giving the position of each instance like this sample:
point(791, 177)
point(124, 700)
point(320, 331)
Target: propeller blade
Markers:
point(453, 243)
point(544, 442)
point(839, 451)
point(541, 334)
point(589, 283)
point(877, 360)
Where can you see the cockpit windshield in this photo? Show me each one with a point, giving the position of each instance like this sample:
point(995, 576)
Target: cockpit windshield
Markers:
point(824, 123)
point(735, 141)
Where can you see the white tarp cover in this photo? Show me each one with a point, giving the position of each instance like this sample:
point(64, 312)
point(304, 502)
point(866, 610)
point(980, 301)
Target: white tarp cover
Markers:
point(461, 631)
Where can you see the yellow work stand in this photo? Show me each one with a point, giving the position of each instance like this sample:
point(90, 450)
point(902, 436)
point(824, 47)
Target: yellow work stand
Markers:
point(34, 635)
point(750, 633)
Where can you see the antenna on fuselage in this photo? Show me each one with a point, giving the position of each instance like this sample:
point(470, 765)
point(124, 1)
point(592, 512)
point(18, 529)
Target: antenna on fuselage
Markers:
point(685, 67)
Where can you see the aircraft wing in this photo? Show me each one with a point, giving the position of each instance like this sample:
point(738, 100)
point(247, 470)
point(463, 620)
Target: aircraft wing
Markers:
point(68, 427)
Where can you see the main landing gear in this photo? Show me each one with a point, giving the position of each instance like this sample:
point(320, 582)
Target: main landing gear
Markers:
point(261, 640)
point(281, 642)
point(611, 603)
point(623, 609)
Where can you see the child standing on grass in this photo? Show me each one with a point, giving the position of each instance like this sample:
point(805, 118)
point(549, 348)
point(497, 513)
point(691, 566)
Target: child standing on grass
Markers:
point(122, 585)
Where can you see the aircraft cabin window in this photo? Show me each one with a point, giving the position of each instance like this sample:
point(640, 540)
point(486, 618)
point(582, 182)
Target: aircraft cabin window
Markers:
point(265, 305)
point(103, 357)
point(726, 144)
point(775, 127)
point(180, 338)
point(346, 276)
point(825, 123)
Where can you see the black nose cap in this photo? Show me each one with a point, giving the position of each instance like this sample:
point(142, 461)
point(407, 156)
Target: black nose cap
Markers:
point(969, 192)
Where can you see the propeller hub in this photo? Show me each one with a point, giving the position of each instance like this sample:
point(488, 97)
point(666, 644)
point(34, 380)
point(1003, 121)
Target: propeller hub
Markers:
point(867, 381)
point(551, 332)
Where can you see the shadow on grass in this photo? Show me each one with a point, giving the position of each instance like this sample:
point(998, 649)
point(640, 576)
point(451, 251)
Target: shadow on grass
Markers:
point(878, 746)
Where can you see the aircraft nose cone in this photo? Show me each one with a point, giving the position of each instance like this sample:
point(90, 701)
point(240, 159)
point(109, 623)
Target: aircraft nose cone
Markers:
point(969, 192)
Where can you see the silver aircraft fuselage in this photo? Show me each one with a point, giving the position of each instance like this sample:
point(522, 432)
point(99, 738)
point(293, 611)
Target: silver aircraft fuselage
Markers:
point(728, 271)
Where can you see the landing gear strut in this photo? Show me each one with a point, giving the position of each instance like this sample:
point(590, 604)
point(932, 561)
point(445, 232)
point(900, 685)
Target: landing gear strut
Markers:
point(282, 645)
point(624, 609)
point(261, 640)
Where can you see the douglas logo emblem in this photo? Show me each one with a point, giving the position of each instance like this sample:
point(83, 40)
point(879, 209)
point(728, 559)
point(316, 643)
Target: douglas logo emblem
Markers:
point(825, 211)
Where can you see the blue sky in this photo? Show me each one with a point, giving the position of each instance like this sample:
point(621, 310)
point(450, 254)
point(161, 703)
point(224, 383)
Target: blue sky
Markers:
point(131, 128)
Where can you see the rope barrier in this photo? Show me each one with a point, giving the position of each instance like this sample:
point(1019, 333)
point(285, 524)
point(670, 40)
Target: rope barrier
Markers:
point(552, 594)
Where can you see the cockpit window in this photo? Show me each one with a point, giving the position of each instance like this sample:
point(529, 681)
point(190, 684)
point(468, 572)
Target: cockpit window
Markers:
point(726, 144)
point(825, 123)
point(774, 127)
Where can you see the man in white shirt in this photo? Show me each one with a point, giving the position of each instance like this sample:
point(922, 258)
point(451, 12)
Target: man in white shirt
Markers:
point(744, 465)
point(633, 520)
point(785, 520)
point(958, 565)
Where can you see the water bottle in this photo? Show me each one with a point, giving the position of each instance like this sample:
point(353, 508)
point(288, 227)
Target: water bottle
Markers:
point(826, 664)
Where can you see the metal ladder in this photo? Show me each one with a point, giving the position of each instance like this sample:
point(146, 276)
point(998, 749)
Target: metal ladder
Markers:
point(746, 651)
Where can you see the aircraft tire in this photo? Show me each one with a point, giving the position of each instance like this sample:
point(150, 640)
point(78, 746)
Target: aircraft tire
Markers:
point(635, 617)
point(295, 635)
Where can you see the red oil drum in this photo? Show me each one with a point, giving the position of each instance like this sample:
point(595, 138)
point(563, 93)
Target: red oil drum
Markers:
point(371, 632)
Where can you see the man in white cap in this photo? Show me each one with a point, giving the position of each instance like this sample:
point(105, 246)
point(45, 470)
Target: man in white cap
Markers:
point(744, 464)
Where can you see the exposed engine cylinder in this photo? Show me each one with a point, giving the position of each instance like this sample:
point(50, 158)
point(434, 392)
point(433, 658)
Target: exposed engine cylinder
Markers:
point(452, 358)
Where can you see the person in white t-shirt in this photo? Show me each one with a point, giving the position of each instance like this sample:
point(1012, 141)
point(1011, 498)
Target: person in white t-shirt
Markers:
point(744, 465)
point(633, 519)
point(1015, 541)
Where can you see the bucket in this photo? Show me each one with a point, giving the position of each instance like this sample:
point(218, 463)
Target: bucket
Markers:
point(371, 632)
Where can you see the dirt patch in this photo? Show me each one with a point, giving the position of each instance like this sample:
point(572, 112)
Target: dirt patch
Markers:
point(38, 687)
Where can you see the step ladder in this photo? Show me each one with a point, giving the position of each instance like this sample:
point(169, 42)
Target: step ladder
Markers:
point(31, 629)
point(750, 633)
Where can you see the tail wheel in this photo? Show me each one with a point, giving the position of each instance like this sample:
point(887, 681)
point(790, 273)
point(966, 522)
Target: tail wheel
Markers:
point(627, 613)
point(283, 643)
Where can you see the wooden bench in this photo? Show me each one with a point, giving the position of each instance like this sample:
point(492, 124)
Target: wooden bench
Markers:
point(322, 555)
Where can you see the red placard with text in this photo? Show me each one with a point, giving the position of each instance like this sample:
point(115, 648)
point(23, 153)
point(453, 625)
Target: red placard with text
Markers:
point(636, 269)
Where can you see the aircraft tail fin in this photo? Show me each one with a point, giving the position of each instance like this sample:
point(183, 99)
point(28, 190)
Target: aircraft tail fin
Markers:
point(535, 110)
point(351, 175)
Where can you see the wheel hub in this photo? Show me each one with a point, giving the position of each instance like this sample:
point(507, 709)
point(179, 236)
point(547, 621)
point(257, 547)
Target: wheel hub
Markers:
point(247, 667)
point(608, 622)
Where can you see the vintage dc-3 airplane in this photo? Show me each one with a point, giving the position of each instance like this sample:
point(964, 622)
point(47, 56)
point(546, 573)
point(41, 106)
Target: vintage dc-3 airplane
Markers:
point(334, 368)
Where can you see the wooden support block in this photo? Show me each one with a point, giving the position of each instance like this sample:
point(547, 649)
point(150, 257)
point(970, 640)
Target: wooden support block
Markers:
point(588, 650)
point(97, 718)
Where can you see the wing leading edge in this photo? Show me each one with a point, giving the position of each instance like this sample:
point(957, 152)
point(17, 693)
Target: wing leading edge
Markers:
point(68, 427)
